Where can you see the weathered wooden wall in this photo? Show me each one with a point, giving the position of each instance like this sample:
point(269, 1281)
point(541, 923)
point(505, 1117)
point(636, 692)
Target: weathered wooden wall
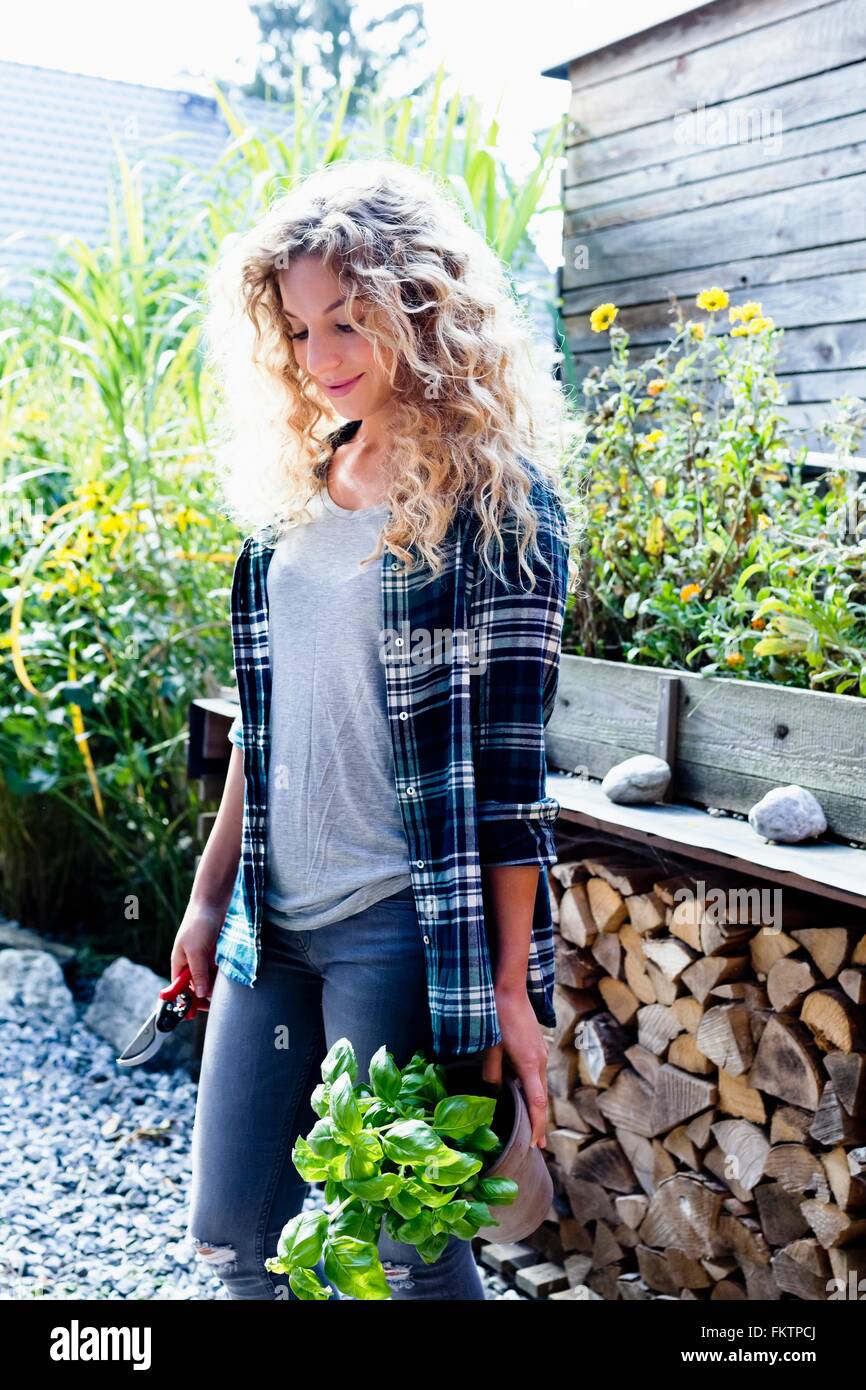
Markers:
point(726, 147)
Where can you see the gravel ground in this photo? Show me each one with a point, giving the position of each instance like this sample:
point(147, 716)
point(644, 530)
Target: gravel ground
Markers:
point(95, 1172)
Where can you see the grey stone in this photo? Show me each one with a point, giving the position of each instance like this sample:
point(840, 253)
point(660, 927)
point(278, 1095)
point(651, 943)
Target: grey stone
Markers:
point(788, 815)
point(32, 985)
point(637, 781)
point(124, 996)
point(24, 939)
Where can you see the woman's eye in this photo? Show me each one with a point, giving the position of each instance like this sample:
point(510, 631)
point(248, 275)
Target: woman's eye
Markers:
point(299, 337)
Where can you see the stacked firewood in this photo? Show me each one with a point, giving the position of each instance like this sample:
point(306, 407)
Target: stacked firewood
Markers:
point(707, 1085)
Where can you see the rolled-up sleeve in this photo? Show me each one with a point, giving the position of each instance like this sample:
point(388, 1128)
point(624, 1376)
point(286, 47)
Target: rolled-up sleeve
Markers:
point(517, 638)
point(236, 732)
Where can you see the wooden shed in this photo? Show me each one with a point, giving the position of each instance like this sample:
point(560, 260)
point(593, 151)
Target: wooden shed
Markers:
point(726, 146)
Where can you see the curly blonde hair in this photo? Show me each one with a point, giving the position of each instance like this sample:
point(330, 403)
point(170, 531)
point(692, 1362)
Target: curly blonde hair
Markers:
point(470, 404)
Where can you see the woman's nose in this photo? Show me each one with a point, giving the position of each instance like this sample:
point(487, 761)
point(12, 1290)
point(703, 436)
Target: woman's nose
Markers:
point(322, 360)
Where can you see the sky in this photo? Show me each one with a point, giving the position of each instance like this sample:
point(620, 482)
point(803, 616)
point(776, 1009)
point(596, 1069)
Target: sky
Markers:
point(490, 48)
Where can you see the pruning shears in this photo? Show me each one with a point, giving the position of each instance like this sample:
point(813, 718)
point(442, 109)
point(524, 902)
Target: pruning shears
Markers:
point(178, 1001)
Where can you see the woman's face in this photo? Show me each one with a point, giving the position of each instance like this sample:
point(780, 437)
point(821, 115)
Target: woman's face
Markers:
point(325, 345)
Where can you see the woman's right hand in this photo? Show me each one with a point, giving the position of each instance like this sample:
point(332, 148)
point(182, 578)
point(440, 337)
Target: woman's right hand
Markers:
point(195, 946)
point(195, 943)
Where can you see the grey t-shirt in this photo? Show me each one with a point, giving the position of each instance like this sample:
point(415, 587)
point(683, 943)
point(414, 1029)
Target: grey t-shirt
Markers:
point(336, 842)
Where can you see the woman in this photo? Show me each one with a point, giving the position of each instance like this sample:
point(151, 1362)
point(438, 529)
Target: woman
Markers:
point(376, 868)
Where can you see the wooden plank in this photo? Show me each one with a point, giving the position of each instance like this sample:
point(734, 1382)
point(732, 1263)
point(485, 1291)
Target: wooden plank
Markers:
point(736, 739)
point(762, 224)
point(688, 170)
point(799, 304)
point(834, 871)
point(822, 461)
point(667, 716)
point(827, 37)
point(833, 159)
point(806, 419)
point(695, 30)
point(811, 387)
point(746, 277)
point(747, 123)
point(833, 347)
point(212, 704)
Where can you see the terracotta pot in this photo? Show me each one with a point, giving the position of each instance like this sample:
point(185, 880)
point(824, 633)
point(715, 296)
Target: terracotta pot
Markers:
point(525, 1165)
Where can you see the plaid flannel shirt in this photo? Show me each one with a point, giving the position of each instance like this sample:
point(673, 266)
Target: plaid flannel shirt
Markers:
point(469, 756)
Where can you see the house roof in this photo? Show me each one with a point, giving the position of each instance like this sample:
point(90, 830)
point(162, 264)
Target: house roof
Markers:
point(610, 27)
point(56, 151)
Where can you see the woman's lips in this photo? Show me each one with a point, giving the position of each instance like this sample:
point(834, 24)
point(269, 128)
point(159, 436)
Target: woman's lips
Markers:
point(347, 386)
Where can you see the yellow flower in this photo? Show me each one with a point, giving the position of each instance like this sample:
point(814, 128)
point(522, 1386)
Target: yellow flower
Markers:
point(712, 299)
point(689, 591)
point(602, 317)
point(739, 332)
point(650, 440)
point(760, 325)
point(763, 521)
point(659, 487)
point(656, 386)
point(697, 417)
point(655, 537)
point(735, 658)
point(697, 330)
point(744, 312)
point(758, 623)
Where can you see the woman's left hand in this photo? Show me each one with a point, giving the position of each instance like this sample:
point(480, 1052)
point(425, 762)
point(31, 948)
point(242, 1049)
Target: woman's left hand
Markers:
point(525, 1046)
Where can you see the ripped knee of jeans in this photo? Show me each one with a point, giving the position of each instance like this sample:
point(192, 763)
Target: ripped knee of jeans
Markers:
point(223, 1257)
point(399, 1276)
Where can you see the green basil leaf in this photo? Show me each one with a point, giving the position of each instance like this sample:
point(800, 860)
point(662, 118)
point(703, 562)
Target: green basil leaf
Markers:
point(458, 1115)
point(344, 1108)
point(307, 1285)
point(355, 1268)
point(340, 1060)
point(385, 1076)
point(302, 1238)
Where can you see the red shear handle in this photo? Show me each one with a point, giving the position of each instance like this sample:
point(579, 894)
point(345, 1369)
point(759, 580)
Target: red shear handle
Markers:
point(183, 985)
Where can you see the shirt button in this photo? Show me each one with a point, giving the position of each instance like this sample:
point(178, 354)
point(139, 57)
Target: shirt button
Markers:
point(395, 565)
point(426, 941)
point(419, 863)
point(403, 714)
point(410, 791)
point(398, 641)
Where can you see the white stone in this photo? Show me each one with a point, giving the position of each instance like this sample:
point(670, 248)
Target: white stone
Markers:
point(637, 781)
point(788, 815)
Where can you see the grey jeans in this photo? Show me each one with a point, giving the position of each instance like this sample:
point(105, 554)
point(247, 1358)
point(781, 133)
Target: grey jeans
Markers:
point(362, 978)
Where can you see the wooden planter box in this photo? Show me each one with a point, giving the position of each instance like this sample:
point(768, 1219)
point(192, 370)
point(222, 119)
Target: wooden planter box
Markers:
point(728, 741)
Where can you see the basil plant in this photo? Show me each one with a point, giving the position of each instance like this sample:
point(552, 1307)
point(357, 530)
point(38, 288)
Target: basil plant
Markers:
point(398, 1147)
